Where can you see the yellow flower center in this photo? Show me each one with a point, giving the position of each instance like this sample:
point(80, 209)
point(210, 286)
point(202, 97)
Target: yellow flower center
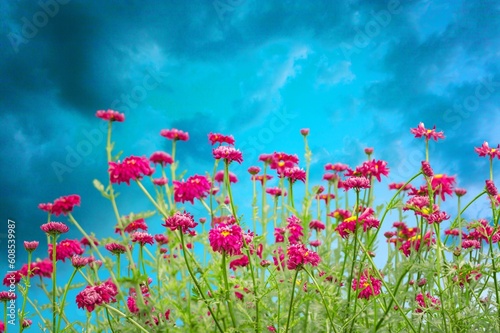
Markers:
point(350, 219)
point(225, 233)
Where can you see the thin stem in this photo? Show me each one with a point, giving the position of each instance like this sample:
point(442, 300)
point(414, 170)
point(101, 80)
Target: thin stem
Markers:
point(25, 293)
point(291, 300)
point(64, 298)
point(54, 286)
point(226, 291)
point(329, 315)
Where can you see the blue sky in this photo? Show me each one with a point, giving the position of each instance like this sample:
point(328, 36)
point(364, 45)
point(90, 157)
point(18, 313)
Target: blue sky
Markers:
point(357, 73)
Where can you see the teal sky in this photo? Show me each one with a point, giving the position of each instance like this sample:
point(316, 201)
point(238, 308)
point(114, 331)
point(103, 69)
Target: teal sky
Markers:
point(357, 73)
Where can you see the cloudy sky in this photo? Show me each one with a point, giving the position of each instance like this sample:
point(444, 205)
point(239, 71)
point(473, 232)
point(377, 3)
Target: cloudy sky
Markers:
point(357, 73)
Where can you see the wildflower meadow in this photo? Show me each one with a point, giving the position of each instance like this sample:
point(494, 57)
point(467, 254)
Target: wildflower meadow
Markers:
point(325, 257)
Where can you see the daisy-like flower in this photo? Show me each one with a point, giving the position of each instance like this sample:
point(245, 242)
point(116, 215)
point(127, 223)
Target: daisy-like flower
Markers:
point(316, 225)
point(266, 158)
point(180, 221)
point(138, 224)
point(66, 249)
point(86, 242)
point(281, 161)
point(240, 262)
point(485, 150)
point(115, 248)
point(437, 217)
point(397, 186)
point(219, 177)
point(337, 167)
point(161, 239)
point(30, 246)
point(261, 178)
point(65, 205)
point(367, 285)
point(421, 131)
point(443, 184)
point(195, 187)
point(162, 181)
point(226, 239)
point(54, 228)
point(93, 296)
point(426, 169)
point(142, 238)
point(46, 207)
point(460, 192)
point(174, 134)
point(219, 138)
point(299, 255)
point(12, 278)
point(294, 174)
point(228, 154)
point(132, 168)
point(162, 158)
point(295, 229)
point(304, 131)
point(253, 170)
point(6, 296)
point(42, 268)
point(110, 115)
point(375, 168)
point(368, 151)
point(79, 262)
point(357, 183)
point(491, 188)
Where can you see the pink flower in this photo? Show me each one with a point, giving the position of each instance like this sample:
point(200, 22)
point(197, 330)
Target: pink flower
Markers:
point(426, 169)
point(316, 225)
point(253, 170)
point(219, 177)
point(261, 178)
point(86, 242)
point(421, 131)
point(162, 158)
point(304, 131)
point(138, 224)
point(161, 239)
point(425, 302)
point(92, 296)
point(229, 154)
point(174, 134)
point(275, 191)
point(160, 181)
point(337, 167)
point(66, 249)
point(460, 192)
point(6, 296)
point(110, 115)
point(443, 184)
point(295, 229)
point(280, 161)
point(219, 138)
point(491, 188)
point(46, 207)
point(367, 285)
point(54, 228)
point(195, 187)
point(12, 277)
point(374, 168)
point(31, 246)
point(65, 205)
point(79, 262)
point(132, 168)
point(142, 238)
point(26, 323)
point(180, 221)
point(226, 239)
point(437, 217)
point(357, 183)
point(368, 151)
point(115, 248)
point(397, 186)
point(299, 255)
point(240, 262)
point(294, 174)
point(315, 243)
point(486, 150)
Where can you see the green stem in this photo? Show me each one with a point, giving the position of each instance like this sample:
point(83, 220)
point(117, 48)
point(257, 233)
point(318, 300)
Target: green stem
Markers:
point(132, 321)
point(64, 298)
point(54, 286)
point(291, 300)
point(226, 291)
point(25, 293)
point(329, 315)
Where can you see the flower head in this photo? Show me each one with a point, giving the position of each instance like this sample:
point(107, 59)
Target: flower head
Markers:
point(92, 296)
point(162, 158)
point(110, 115)
point(219, 177)
point(180, 221)
point(66, 249)
point(6, 296)
point(79, 262)
point(295, 229)
point(228, 154)
point(253, 170)
point(195, 187)
point(174, 134)
point(299, 255)
point(138, 224)
point(485, 150)
point(31, 246)
point(115, 248)
point(491, 188)
point(367, 285)
point(304, 131)
point(132, 168)
point(54, 228)
point(142, 238)
point(357, 183)
point(294, 173)
point(226, 238)
point(219, 138)
point(421, 131)
point(65, 205)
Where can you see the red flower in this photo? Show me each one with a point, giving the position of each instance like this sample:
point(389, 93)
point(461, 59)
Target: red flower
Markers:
point(226, 239)
point(316, 225)
point(46, 207)
point(397, 186)
point(460, 192)
point(85, 241)
point(139, 224)
point(79, 262)
point(195, 187)
point(66, 249)
point(64, 205)
point(219, 177)
point(110, 115)
point(160, 181)
point(368, 151)
point(219, 138)
point(132, 168)
point(180, 221)
point(240, 262)
point(421, 131)
point(92, 296)
point(161, 239)
point(367, 285)
point(299, 255)
point(304, 131)
point(174, 134)
point(54, 228)
point(162, 158)
point(229, 154)
point(142, 238)
point(486, 150)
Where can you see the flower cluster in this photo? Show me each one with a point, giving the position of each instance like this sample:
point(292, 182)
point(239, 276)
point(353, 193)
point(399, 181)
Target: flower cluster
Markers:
point(195, 187)
point(132, 168)
point(93, 296)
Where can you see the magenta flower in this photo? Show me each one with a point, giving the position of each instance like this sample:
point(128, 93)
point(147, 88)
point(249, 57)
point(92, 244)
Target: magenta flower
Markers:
point(174, 134)
point(132, 168)
point(295, 229)
point(162, 158)
point(240, 262)
point(368, 151)
point(460, 192)
point(491, 188)
point(294, 174)
point(180, 221)
point(31, 246)
point(280, 161)
point(115, 248)
point(443, 184)
point(219, 138)
point(304, 131)
point(54, 228)
point(485, 150)
point(425, 302)
point(65, 205)
point(110, 115)
point(421, 131)
point(226, 239)
point(66, 249)
point(86, 242)
point(92, 296)
point(219, 177)
point(253, 170)
point(195, 187)
point(357, 183)
point(316, 225)
point(426, 169)
point(162, 181)
point(142, 238)
point(367, 285)
point(299, 255)
point(6, 296)
point(337, 167)
point(79, 262)
point(139, 224)
point(228, 154)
